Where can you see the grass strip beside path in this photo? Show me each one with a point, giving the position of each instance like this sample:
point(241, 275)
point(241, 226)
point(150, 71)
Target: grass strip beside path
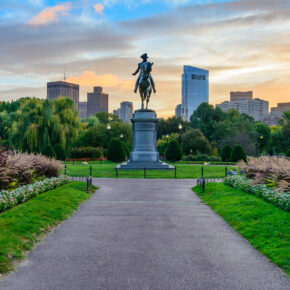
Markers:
point(22, 226)
point(183, 171)
point(264, 225)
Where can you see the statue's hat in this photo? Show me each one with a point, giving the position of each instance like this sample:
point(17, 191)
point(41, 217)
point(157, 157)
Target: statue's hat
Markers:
point(144, 56)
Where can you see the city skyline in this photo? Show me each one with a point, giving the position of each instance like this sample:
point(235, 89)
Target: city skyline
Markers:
point(243, 44)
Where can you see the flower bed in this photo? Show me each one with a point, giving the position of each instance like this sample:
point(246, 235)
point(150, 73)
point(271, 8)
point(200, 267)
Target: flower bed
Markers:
point(271, 195)
point(9, 199)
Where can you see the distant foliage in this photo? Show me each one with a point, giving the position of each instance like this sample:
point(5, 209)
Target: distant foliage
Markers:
point(60, 152)
point(173, 152)
point(288, 153)
point(49, 151)
point(86, 152)
point(116, 151)
point(30, 124)
point(238, 154)
point(226, 153)
point(202, 157)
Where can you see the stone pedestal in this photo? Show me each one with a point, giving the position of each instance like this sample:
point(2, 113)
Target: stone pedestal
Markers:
point(144, 153)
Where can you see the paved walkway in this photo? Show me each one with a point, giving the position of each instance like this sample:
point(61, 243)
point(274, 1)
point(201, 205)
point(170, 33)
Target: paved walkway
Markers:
point(145, 234)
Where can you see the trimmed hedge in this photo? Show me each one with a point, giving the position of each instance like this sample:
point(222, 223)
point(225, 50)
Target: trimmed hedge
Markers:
point(49, 151)
point(86, 152)
point(237, 154)
point(116, 151)
point(173, 152)
point(60, 152)
point(226, 153)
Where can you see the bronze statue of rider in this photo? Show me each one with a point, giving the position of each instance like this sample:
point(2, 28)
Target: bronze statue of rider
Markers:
point(144, 57)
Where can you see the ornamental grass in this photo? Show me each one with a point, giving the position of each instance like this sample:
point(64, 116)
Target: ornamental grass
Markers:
point(17, 169)
point(271, 171)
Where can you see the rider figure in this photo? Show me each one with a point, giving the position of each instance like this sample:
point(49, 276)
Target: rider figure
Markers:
point(140, 65)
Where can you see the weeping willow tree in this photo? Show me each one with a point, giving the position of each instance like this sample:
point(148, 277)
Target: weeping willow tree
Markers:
point(33, 124)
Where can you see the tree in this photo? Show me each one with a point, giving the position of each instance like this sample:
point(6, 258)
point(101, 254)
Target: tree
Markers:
point(170, 125)
point(49, 151)
point(105, 117)
point(242, 139)
point(116, 151)
point(263, 136)
point(60, 152)
point(238, 154)
point(173, 152)
point(194, 140)
point(226, 152)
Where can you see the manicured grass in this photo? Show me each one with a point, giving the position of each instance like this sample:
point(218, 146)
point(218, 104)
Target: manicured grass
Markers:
point(265, 226)
point(22, 226)
point(183, 171)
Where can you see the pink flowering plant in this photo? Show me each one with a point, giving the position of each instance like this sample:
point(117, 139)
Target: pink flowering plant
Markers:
point(9, 199)
point(275, 196)
point(17, 169)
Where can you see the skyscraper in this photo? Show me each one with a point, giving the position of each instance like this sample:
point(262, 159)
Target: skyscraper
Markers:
point(126, 111)
point(178, 111)
point(83, 109)
point(256, 108)
point(235, 96)
point(194, 89)
point(97, 102)
point(63, 89)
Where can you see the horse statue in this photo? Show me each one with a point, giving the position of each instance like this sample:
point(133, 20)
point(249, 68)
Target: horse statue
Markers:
point(145, 83)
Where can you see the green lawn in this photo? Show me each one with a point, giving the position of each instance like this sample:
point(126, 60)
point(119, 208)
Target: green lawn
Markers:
point(22, 226)
point(265, 226)
point(183, 171)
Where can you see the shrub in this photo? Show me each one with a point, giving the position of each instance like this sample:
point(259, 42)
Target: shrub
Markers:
point(275, 197)
point(202, 157)
point(116, 151)
point(60, 152)
point(127, 149)
point(270, 170)
point(173, 152)
point(226, 153)
point(86, 152)
point(238, 154)
point(288, 153)
point(17, 169)
point(49, 151)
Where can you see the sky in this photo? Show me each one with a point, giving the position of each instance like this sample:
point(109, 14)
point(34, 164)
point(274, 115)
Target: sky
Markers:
point(244, 44)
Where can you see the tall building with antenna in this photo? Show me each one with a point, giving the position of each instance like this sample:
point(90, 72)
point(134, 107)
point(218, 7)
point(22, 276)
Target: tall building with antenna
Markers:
point(63, 89)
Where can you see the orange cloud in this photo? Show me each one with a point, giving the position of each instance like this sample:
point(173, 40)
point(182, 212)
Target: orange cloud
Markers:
point(49, 14)
point(90, 79)
point(99, 8)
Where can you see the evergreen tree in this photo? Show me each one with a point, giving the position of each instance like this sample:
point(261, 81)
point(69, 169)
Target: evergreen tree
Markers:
point(173, 152)
point(226, 153)
point(49, 151)
point(238, 153)
point(60, 152)
point(116, 151)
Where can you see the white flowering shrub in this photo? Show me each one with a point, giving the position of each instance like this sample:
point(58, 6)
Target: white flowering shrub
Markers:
point(9, 199)
point(278, 198)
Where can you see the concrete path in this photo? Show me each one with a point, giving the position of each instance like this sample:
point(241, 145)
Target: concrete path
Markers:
point(145, 234)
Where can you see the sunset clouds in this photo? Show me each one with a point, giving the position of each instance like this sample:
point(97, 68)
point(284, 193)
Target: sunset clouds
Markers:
point(49, 14)
point(244, 44)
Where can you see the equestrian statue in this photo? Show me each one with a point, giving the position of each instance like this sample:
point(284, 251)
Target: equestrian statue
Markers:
point(144, 81)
